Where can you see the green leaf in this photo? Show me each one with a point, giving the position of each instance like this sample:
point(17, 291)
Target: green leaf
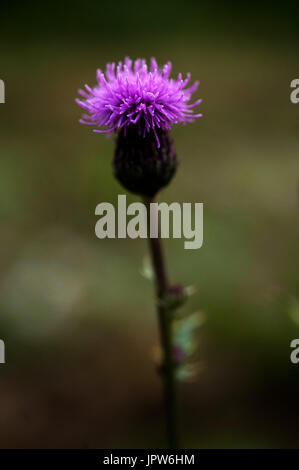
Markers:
point(185, 332)
point(147, 269)
point(186, 372)
point(191, 290)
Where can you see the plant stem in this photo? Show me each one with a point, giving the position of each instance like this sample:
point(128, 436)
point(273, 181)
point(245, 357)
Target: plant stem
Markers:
point(165, 327)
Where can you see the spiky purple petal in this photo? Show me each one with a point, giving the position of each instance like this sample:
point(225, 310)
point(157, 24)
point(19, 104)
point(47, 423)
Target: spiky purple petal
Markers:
point(130, 94)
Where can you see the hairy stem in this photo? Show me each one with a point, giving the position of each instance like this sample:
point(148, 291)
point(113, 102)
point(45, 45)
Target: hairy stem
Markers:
point(165, 327)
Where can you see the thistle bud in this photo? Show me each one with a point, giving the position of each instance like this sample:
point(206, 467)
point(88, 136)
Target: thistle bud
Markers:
point(142, 166)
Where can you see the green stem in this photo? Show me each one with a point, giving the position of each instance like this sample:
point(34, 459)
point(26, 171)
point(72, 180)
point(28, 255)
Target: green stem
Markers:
point(165, 327)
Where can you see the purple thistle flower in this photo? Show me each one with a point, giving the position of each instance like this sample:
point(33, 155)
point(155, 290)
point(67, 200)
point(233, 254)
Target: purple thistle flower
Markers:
point(133, 96)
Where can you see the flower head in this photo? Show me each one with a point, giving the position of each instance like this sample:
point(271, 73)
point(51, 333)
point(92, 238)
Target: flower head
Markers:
point(131, 95)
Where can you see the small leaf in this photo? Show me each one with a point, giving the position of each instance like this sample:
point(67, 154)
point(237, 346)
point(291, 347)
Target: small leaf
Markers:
point(185, 330)
point(191, 290)
point(147, 269)
point(187, 372)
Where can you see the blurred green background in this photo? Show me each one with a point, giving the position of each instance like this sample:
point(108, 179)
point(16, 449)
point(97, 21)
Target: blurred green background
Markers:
point(77, 317)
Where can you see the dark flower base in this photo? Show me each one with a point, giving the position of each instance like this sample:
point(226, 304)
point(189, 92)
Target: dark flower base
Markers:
point(139, 165)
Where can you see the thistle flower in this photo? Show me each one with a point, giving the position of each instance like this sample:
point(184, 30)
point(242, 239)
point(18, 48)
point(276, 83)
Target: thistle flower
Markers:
point(148, 100)
point(140, 105)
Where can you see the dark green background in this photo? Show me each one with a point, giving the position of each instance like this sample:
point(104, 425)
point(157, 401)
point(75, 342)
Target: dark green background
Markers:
point(77, 318)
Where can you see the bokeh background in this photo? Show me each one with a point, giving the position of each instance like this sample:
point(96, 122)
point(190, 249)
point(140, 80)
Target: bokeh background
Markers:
point(77, 317)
